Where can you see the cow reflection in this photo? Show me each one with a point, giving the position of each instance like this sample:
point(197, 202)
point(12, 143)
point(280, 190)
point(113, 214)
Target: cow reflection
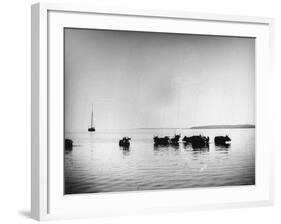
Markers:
point(125, 151)
point(200, 149)
point(167, 147)
point(161, 150)
point(223, 147)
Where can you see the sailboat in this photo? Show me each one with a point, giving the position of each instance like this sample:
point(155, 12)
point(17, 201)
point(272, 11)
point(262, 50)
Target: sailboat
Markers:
point(92, 128)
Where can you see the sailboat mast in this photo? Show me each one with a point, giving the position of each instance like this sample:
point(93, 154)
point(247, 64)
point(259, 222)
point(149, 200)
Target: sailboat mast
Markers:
point(92, 117)
point(92, 128)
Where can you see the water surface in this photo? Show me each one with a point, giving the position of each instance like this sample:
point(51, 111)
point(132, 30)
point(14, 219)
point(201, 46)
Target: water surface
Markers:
point(98, 164)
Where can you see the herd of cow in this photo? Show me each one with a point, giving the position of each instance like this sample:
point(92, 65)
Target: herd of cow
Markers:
point(196, 141)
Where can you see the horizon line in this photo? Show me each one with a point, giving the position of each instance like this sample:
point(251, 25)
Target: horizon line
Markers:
point(173, 128)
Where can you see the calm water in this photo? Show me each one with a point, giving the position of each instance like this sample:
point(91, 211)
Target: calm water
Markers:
point(97, 164)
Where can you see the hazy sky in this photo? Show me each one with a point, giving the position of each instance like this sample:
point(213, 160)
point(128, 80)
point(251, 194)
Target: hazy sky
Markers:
point(157, 80)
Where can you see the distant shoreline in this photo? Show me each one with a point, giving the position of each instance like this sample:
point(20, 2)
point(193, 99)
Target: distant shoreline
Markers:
point(239, 126)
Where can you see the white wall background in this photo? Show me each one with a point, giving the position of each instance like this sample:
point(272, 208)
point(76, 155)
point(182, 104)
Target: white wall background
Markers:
point(15, 110)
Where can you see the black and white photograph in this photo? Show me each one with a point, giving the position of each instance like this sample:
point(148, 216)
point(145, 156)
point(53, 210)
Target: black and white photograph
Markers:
point(155, 111)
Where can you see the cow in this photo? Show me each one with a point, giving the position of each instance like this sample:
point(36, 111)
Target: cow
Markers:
point(222, 140)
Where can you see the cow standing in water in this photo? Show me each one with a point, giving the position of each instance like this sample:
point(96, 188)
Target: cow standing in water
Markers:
point(164, 141)
point(197, 141)
point(222, 140)
point(125, 142)
point(175, 140)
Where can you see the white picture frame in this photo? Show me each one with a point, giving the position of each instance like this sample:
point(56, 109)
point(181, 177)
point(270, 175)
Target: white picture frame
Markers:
point(47, 198)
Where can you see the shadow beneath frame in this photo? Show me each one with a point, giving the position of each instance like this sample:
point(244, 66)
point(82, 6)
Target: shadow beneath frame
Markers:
point(24, 213)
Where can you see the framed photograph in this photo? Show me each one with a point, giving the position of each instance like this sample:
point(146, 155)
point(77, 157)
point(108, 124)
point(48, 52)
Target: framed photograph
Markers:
point(161, 111)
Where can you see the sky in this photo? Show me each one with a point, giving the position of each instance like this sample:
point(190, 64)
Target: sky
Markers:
point(157, 80)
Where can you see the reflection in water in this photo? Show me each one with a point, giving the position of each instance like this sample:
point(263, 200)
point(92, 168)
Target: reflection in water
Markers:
point(160, 148)
point(67, 152)
point(174, 146)
point(223, 146)
point(189, 146)
point(125, 150)
point(170, 149)
point(199, 153)
point(203, 149)
point(98, 164)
